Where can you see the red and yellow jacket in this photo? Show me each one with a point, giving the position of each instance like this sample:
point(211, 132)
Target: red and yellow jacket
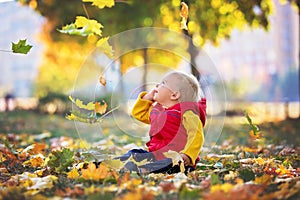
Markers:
point(178, 128)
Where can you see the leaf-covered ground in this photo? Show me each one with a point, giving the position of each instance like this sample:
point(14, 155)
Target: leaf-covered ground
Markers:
point(49, 164)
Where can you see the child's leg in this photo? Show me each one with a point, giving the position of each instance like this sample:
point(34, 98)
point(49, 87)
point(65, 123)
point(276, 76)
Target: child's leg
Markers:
point(165, 166)
point(158, 166)
point(137, 154)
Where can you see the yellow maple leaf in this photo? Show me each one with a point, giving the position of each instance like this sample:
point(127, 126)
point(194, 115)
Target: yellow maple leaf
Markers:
point(105, 47)
point(282, 170)
point(264, 179)
point(71, 116)
point(260, 161)
point(101, 3)
point(225, 187)
point(73, 174)
point(80, 104)
point(89, 24)
point(100, 108)
point(93, 173)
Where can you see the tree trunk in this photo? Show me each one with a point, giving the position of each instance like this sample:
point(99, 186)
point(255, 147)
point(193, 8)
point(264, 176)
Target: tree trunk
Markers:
point(193, 51)
point(145, 56)
point(298, 4)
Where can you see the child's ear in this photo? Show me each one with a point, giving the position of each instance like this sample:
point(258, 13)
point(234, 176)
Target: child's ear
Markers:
point(175, 96)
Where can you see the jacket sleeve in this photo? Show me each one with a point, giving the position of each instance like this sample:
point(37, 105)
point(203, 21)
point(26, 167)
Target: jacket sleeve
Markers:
point(195, 136)
point(141, 109)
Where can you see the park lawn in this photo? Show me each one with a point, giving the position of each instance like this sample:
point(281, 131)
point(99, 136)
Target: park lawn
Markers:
point(235, 128)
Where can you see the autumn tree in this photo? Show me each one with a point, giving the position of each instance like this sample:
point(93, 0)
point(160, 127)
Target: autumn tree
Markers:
point(208, 21)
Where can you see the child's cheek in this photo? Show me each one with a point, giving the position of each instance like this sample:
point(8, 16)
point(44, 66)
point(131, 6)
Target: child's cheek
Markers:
point(155, 96)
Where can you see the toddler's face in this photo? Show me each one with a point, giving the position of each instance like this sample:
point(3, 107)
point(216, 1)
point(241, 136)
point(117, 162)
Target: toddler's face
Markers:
point(165, 90)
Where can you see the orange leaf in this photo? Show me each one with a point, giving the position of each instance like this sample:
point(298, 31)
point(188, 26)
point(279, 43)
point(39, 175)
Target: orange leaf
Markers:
point(102, 81)
point(34, 162)
point(100, 108)
point(258, 135)
point(184, 12)
point(124, 178)
point(93, 173)
point(252, 150)
point(36, 148)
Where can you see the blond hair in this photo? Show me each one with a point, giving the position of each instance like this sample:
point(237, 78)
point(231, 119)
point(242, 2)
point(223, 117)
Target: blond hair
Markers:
point(187, 85)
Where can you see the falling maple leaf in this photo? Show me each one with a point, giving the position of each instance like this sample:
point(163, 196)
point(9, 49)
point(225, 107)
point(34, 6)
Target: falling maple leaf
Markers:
point(102, 80)
point(184, 12)
point(100, 108)
point(101, 3)
point(254, 132)
point(80, 104)
point(255, 135)
point(21, 47)
point(83, 26)
point(105, 47)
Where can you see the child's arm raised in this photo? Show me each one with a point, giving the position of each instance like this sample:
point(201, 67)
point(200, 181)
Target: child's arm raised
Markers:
point(142, 107)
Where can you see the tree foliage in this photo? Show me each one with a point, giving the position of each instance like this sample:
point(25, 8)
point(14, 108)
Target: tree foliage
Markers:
point(208, 21)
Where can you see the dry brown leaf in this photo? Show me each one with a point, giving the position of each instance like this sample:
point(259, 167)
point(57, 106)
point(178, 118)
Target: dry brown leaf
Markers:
point(102, 80)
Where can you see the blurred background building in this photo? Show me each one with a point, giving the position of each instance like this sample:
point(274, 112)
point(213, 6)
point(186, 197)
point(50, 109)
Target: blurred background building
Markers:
point(263, 64)
point(18, 71)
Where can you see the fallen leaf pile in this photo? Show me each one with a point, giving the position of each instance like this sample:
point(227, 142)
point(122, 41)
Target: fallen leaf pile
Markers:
point(40, 167)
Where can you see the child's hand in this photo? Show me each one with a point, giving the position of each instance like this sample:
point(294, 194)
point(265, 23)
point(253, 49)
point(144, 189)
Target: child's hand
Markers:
point(186, 159)
point(149, 96)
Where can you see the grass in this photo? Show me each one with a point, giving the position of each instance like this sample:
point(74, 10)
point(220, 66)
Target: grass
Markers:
point(22, 121)
point(235, 128)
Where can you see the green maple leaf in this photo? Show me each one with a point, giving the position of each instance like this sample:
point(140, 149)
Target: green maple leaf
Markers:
point(21, 47)
point(60, 160)
point(246, 174)
point(254, 127)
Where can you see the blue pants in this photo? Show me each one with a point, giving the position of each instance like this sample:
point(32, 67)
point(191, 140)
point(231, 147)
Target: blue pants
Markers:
point(154, 166)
